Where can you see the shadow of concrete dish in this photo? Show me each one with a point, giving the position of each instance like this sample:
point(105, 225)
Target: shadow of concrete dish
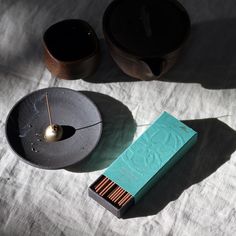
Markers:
point(118, 132)
point(209, 56)
point(108, 71)
point(216, 143)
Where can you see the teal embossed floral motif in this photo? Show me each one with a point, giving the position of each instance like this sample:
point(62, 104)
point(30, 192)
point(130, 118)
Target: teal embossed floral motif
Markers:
point(151, 147)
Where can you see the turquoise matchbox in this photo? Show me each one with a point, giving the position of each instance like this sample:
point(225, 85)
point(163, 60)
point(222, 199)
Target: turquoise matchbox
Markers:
point(135, 171)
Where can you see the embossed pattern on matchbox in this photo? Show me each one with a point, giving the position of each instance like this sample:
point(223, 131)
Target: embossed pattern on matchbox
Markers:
point(151, 155)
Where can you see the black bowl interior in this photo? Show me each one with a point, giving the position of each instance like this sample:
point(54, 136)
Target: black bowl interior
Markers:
point(146, 27)
point(27, 121)
point(70, 40)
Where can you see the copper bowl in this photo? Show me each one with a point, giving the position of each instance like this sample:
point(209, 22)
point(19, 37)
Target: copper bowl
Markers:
point(71, 49)
point(145, 36)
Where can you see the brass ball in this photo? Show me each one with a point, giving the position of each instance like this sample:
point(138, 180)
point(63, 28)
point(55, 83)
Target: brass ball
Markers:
point(53, 133)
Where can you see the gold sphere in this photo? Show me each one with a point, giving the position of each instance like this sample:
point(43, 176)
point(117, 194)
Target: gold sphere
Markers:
point(53, 133)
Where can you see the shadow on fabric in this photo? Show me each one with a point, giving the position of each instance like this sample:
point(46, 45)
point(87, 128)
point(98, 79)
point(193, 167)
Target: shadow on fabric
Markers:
point(216, 142)
point(208, 57)
point(108, 71)
point(118, 132)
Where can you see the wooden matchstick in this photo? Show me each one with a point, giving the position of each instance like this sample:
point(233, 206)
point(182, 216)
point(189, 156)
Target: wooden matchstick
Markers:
point(123, 199)
point(119, 197)
point(127, 200)
point(109, 184)
point(117, 194)
point(100, 183)
point(108, 189)
point(118, 189)
point(105, 187)
point(114, 192)
point(98, 189)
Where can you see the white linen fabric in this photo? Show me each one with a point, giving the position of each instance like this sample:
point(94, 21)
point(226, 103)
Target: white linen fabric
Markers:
point(197, 197)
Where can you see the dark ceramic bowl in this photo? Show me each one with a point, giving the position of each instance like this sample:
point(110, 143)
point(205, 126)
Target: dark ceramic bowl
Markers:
point(145, 36)
point(71, 49)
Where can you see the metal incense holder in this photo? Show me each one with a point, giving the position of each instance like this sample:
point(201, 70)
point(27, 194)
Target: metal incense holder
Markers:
point(57, 137)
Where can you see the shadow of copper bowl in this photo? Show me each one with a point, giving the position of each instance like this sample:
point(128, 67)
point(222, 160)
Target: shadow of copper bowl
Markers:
point(71, 49)
point(145, 37)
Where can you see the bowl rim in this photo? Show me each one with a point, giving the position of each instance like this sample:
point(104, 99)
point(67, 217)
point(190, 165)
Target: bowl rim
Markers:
point(114, 43)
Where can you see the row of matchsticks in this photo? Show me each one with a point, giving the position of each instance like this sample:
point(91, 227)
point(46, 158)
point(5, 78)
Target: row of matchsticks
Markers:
point(111, 191)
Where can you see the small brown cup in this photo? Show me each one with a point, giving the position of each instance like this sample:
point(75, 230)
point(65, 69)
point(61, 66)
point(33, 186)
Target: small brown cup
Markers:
point(145, 37)
point(71, 49)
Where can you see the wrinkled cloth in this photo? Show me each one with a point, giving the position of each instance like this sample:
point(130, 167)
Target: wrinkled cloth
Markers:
point(196, 197)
